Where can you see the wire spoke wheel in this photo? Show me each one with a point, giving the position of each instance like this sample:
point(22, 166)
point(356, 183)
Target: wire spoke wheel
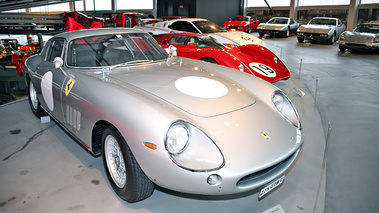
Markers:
point(115, 161)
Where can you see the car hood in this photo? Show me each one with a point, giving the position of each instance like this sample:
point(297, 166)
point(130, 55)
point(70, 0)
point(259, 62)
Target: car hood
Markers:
point(237, 38)
point(315, 28)
point(360, 36)
point(184, 83)
point(271, 26)
point(235, 23)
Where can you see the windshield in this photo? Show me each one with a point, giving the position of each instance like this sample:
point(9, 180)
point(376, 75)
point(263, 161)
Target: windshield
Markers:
point(278, 21)
point(204, 41)
point(240, 18)
point(108, 50)
point(321, 21)
point(368, 28)
point(208, 27)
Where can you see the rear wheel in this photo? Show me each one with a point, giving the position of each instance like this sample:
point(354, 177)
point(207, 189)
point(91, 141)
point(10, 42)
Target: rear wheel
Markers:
point(33, 101)
point(124, 174)
point(300, 39)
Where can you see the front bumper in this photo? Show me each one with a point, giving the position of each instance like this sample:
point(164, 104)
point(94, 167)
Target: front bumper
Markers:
point(314, 36)
point(360, 47)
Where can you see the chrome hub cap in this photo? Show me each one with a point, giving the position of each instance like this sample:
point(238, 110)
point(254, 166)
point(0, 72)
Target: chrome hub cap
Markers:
point(115, 161)
point(33, 96)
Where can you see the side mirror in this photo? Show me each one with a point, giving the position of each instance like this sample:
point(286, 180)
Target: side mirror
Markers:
point(58, 62)
point(172, 51)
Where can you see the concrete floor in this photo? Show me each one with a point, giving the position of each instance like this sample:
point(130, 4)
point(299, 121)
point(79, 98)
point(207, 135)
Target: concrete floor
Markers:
point(44, 170)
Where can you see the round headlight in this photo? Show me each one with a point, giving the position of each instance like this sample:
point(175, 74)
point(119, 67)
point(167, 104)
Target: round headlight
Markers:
point(278, 100)
point(376, 39)
point(276, 59)
point(241, 67)
point(285, 107)
point(177, 139)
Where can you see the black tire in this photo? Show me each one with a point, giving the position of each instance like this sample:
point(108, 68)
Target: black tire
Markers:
point(288, 32)
point(300, 39)
point(332, 39)
point(249, 29)
point(33, 101)
point(342, 49)
point(211, 60)
point(261, 34)
point(127, 179)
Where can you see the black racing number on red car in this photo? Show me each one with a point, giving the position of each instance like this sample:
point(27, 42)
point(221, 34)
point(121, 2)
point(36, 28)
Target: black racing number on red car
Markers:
point(263, 69)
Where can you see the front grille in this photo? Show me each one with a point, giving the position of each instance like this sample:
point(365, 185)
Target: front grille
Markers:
point(357, 45)
point(254, 176)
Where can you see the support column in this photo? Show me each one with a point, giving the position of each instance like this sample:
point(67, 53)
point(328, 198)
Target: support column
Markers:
point(352, 17)
point(294, 5)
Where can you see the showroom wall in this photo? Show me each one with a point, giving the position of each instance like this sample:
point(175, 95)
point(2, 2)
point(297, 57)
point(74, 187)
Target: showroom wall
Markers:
point(217, 11)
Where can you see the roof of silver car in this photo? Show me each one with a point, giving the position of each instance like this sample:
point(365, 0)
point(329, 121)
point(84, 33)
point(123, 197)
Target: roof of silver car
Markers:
point(93, 32)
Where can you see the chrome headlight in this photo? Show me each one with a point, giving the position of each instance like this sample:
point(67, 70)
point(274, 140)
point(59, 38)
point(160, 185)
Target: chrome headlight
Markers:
point(190, 148)
point(285, 107)
point(342, 36)
point(376, 39)
point(276, 59)
point(241, 67)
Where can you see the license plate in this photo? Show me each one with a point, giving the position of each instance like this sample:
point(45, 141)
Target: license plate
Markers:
point(270, 186)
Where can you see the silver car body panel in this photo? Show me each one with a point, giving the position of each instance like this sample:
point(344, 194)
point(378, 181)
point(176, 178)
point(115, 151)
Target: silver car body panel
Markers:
point(360, 40)
point(142, 100)
point(316, 31)
point(278, 28)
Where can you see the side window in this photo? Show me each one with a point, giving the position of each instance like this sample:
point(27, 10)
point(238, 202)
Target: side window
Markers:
point(55, 50)
point(183, 26)
point(292, 21)
point(178, 39)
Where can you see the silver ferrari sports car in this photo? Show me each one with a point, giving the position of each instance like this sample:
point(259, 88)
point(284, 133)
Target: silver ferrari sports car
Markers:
point(278, 25)
point(157, 119)
point(321, 29)
point(365, 37)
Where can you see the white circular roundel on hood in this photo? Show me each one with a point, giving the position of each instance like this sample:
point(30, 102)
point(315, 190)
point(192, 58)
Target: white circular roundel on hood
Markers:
point(263, 69)
point(201, 87)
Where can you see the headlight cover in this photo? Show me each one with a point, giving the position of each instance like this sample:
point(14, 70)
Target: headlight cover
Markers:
point(342, 36)
point(190, 148)
point(241, 67)
point(285, 107)
point(376, 39)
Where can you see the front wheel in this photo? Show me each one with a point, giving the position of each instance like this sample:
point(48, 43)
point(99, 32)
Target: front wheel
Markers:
point(300, 39)
point(332, 39)
point(288, 32)
point(342, 49)
point(123, 172)
point(33, 101)
point(261, 34)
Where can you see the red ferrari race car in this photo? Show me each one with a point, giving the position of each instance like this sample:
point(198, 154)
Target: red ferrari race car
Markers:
point(241, 23)
point(253, 59)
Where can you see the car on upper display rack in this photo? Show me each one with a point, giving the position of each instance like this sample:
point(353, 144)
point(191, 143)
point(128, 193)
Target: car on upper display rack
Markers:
point(252, 59)
point(157, 119)
point(278, 25)
point(321, 29)
point(365, 37)
point(241, 23)
point(197, 25)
